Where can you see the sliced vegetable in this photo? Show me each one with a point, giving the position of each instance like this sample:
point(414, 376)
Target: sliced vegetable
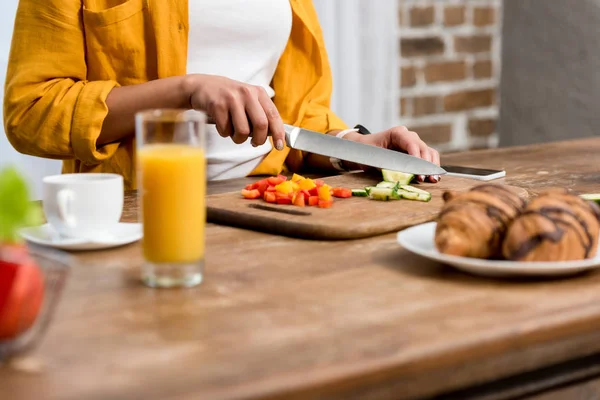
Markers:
point(262, 185)
point(368, 189)
point(299, 200)
point(412, 193)
point(270, 197)
point(307, 184)
point(342, 193)
point(325, 203)
point(381, 194)
point(591, 197)
point(285, 187)
point(409, 188)
point(299, 191)
point(324, 193)
point(276, 180)
point(386, 184)
point(359, 193)
point(251, 194)
point(297, 178)
point(397, 177)
point(280, 195)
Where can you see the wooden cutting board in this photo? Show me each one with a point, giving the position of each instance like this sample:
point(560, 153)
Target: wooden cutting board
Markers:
point(353, 218)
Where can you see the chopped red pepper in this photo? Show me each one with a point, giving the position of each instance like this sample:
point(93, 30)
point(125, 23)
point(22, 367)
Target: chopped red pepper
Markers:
point(262, 186)
point(299, 200)
point(325, 203)
point(270, 197)
point(298, 191)
point(251, 194)
point(275, 180)
point(342, 193)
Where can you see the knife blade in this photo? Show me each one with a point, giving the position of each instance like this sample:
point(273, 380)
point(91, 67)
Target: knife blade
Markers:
point(330, 146)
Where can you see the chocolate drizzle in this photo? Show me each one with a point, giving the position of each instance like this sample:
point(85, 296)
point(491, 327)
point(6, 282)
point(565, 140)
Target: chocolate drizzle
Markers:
point(503, 194)
point(557, 215)
point(533, 242)
point(474, 223)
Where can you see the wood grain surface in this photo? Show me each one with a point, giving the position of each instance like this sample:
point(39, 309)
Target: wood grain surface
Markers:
point(352, 218)
point(284, 318)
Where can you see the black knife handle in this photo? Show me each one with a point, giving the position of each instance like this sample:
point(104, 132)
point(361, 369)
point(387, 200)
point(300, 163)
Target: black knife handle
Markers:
point(362, 130)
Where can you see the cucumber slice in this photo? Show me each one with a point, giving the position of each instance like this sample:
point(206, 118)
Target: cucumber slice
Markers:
point(359, 193)
point(408, 195)
point(412, 193)
point(409, 188)
point(368, 189)
point(382, 194)
point(385, 184)
point(591, 197)
point(394, 176)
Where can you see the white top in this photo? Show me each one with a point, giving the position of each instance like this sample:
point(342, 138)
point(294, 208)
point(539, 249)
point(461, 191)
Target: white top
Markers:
point(242, 40)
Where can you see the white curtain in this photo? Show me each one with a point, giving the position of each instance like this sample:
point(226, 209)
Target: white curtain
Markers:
point(33, 168)
point(362, 43)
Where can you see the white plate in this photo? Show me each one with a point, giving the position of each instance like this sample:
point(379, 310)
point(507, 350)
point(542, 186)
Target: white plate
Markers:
point(419, 239)
point(45, 235)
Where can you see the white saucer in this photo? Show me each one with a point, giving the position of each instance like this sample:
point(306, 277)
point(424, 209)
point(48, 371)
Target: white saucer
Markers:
point(419, 239)
point(45, 235)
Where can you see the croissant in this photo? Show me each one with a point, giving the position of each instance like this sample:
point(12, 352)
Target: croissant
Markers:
point(556, 226)
point(473, 223)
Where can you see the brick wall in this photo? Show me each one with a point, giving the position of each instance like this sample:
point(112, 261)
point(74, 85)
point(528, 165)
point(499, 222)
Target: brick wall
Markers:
point(449, 71)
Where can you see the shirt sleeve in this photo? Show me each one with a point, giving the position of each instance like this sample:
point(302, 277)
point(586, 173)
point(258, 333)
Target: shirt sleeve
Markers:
point(50, 109)
point(317, 113)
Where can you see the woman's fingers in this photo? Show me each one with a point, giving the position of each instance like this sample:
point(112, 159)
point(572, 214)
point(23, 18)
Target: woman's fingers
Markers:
point(435, 160)
point(413, 149)
point(275, 123)
point(256, 115)
point(220, 115)
point(241, 127)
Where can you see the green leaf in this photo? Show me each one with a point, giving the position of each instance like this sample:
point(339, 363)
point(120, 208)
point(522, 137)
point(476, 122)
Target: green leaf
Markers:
point(16, 208)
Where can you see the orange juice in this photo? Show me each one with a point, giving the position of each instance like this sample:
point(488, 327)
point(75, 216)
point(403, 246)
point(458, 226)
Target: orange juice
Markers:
point(173, 185)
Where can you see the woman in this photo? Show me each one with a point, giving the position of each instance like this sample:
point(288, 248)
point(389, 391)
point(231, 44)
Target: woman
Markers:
point(79, 70)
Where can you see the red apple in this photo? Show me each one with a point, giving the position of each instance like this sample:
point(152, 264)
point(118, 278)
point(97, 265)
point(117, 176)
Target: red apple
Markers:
point(21, 291)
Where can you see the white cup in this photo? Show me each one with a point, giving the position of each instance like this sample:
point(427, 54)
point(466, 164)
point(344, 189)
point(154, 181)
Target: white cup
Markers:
point(84, 205)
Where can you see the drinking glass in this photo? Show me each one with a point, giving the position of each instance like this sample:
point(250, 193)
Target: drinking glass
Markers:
point(171, 178)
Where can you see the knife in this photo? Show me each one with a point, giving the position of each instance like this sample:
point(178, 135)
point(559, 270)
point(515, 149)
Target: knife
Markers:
point(372, 156)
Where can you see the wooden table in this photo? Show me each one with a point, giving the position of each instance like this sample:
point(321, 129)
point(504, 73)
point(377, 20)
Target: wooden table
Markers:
point(283, 318)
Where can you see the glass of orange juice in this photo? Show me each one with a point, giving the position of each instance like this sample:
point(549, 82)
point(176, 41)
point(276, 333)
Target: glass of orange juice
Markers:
point(171, 169)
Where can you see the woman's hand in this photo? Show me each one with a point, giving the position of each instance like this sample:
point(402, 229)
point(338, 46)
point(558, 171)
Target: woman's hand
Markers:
point(401, 139)
point(239, 110)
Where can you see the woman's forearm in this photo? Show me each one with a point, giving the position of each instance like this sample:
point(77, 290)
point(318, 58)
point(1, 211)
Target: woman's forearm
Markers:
point(125, 101)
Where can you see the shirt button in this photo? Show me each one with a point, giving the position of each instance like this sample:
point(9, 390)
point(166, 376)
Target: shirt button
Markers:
point(180, 26)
